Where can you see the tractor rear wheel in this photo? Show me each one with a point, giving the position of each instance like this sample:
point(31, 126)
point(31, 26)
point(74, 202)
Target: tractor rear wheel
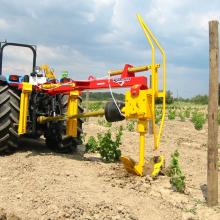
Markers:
point(9, 116)
point(56, 138)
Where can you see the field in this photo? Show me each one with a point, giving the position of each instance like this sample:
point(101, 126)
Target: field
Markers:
point(39, 184)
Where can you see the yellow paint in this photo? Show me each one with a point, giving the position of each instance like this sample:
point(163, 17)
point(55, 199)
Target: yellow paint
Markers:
point(50, 85)
point(153, 167)
point(129, 164)
point(132, 69)
point(138, 106)
point(72, 109)
point(142, 107)
point(154, 74)
point(22, 126)
point(142, 129)
point(49, 73)
point(44, 119)
point(157, 166)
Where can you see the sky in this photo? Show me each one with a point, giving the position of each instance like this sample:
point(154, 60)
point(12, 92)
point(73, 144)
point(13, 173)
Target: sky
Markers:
point(93, 36)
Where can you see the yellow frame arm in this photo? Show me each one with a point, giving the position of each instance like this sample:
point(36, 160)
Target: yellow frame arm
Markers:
point(152, 40)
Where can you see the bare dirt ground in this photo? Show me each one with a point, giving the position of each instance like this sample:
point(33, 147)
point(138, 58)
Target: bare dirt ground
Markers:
point(38, 184)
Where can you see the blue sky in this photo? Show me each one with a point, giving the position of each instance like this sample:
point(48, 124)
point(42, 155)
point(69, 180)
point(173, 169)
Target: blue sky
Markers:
point(93, 36)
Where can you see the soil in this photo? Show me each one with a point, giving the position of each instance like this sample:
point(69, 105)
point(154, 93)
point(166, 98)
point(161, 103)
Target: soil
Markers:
point(39, 184)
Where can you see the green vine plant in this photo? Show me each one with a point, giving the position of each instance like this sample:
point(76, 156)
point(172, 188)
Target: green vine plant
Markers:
point(106, 145)
point(182, 116)
point(188, 112)
point(131, 126)
point(198, 119)
point(104, 123)
point(92, 145)
point(171, 114)
point(94, 106)
point(174, 171)
point(158, 115)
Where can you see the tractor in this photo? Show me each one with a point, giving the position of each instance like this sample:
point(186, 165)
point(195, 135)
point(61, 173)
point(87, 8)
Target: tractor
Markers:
point(38, 104)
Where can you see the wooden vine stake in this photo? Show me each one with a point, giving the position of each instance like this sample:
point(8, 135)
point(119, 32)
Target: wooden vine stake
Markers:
point(212, 157)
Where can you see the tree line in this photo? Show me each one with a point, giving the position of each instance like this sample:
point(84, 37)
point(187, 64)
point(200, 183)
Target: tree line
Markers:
point(105, 96)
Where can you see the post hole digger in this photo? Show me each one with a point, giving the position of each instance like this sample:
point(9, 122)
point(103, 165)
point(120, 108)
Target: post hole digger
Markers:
point(39, 104)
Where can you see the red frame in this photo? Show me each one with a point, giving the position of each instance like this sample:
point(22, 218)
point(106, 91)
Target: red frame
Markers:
point(126, 79)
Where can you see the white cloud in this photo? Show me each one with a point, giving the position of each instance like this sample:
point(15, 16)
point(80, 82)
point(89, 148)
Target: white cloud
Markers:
point(94, 36)
point(4, 24)
point(19, 61)
point(100, 4)
point(66, 58)
point(203, 18)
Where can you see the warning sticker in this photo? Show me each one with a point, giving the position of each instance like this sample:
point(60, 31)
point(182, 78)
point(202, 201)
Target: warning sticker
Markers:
point(121, 81)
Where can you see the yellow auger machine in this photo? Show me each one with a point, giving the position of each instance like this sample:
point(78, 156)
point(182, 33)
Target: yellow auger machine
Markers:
point(51, 107)
point(148, 107)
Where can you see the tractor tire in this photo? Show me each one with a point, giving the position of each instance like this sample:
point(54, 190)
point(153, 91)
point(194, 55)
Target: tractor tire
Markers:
point(9, 116)
point(56, 138)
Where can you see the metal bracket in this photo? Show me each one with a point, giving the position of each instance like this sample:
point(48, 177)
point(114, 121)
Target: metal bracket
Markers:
point(22, 126)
